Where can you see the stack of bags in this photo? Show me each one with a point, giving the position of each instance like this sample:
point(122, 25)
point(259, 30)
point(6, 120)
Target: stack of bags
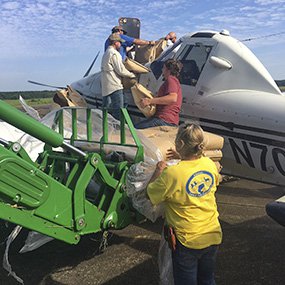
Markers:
point(136, 68)
point(69, 97)
point(138, 90)
point(163, 138)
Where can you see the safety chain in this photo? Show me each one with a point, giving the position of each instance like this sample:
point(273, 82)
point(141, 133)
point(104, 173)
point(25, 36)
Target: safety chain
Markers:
point(104, 242)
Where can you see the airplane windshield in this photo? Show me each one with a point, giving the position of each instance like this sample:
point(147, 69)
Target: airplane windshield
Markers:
point(193, 58)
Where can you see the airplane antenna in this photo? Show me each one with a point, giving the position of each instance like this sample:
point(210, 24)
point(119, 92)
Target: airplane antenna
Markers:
point(89, 69)
point(262, 37)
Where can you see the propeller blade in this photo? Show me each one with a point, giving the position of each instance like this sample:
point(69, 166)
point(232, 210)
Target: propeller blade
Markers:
point(89, 69)
point(38, 83)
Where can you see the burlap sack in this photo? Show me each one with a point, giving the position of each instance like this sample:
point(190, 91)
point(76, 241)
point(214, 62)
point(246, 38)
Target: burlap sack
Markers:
point(135, 66)
point(69, 97)
point(76, 98)
point(139, 92)
point(60, 98)
point(145, 54)
point(128, 83)
point(212, 141)
point(159, 47)
point(149, 53)
point(163, 137)
point(214, 154)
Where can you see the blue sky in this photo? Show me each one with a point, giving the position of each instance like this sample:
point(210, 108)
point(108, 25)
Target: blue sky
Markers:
point(54, 42)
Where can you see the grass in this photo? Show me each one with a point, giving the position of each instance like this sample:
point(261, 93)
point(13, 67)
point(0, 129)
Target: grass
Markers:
point(30, 102)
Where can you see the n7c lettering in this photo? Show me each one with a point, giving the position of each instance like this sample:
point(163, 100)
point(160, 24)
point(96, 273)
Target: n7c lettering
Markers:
point(246, 149)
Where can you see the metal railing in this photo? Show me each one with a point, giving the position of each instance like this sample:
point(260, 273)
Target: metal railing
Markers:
point(125, 125)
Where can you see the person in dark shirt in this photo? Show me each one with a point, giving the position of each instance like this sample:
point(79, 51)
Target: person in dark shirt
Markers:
point(168, 101)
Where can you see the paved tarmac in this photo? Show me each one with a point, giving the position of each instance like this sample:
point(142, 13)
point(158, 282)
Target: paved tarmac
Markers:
point(252, 251)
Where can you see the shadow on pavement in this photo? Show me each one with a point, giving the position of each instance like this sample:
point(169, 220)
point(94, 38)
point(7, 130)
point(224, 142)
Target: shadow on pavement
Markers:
point(252, 252)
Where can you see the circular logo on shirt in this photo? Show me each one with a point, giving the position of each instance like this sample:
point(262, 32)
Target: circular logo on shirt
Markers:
point(200, 183)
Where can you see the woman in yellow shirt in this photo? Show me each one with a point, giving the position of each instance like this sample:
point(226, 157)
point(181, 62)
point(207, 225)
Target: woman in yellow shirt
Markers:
point(188, 190)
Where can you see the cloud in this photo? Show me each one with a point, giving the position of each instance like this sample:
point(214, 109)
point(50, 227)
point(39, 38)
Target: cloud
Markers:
point(10, 5)
point(269, 2)
point(69, 30)
point(244, 19)
point(164, 4)
point(76, 24)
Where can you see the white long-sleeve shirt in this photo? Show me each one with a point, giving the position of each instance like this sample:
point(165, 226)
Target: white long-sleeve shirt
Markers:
point(112, 69)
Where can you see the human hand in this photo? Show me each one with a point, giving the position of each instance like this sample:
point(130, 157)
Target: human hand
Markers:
point(160, 166)
point(172, 154)
point(133, 76)
point(145, 102)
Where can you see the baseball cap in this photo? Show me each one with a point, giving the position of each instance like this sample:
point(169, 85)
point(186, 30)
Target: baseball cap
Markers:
point(116, 38)
point(118, 28)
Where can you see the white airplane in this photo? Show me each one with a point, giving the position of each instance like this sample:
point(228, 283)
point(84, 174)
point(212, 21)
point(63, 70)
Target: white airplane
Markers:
point(229, 91)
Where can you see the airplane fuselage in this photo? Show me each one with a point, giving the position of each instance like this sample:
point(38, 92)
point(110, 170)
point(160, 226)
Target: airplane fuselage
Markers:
point(230, 93)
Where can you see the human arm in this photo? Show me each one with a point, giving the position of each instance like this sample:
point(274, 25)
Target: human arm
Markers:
point(143, 42)
point(167, 94)
point(158, 170)
point(129, 41)
point(163, 100)
point(157, 189)
point(119, 67)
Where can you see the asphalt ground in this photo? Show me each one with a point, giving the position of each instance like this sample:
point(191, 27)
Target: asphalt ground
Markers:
point(252, 251)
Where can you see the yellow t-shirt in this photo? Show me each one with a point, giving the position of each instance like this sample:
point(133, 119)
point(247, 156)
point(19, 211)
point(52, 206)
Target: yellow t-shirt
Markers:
point(188, 190)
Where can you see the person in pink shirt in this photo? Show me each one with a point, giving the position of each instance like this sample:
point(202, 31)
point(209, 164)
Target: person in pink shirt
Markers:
point(168, 100)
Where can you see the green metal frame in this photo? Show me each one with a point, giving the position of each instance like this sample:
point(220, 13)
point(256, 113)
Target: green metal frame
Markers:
point(125, 122)
point(50, 195)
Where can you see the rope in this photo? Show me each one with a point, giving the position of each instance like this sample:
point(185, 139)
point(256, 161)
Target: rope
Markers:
point(262, 37)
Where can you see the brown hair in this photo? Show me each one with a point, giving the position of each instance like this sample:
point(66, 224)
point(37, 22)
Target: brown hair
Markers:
point(173, 66)
point(190, 140)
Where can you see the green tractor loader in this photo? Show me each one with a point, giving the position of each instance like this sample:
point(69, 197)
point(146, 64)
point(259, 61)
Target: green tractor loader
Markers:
point(51, 195)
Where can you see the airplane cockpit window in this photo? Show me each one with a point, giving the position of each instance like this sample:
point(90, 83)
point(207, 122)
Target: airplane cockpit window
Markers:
point(193, 58)
point(156, 66)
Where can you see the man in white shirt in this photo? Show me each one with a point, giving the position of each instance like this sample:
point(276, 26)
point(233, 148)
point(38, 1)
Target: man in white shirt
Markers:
point(112, 70)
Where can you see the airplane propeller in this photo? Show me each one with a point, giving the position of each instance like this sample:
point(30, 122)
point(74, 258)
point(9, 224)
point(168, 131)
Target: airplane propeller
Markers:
point(42, 84)
point(60, 87)
point(89, 69)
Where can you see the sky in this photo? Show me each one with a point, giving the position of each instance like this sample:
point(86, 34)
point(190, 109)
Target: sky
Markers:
point(54, 42)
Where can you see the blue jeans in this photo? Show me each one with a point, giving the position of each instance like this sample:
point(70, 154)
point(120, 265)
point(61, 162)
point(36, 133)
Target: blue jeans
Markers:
point(194, 266)
point(152, 122)
point(114, 102)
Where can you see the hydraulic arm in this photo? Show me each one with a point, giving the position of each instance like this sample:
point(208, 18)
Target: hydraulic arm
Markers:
point(70, 192)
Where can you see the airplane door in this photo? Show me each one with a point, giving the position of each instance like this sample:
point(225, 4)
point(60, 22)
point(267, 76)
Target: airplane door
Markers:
point(131, 26)
point(193, 57)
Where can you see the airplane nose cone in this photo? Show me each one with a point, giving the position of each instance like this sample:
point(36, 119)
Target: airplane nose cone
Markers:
point(276, 210)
